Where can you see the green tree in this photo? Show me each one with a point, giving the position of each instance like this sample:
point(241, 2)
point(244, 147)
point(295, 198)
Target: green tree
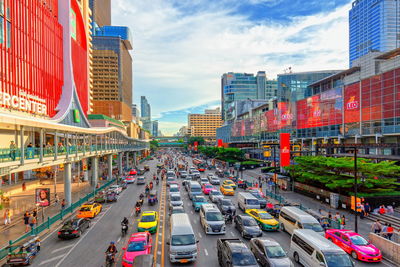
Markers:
point(154, 145)
point(232, 154)
point(209, 151)
point(199, 139)
point(337, 174)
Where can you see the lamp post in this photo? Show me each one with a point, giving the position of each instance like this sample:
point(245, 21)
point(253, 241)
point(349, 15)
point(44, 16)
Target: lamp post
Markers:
point(355, 191)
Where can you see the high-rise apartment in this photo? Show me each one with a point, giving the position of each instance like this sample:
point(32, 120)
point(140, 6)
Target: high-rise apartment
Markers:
point(154, 126)
point(205, 125)
point(373, 26)
point(101, 12)
point(145, 108)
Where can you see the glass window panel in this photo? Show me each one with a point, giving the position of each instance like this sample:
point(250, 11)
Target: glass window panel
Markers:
point(1, 30)
point(8, 34)
point(1, 7)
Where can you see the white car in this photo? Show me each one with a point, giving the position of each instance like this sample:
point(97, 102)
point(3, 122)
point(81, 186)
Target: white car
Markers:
point(116, 188)
point(215, 181)
point(203, 181)
point(214, 195)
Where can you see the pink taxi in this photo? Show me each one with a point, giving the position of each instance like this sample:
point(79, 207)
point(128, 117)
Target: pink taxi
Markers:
point(354, 244)
point(138, 244)
point(207, 188)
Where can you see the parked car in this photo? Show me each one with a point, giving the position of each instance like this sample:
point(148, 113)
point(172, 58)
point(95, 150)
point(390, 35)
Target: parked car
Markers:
point(354, 244)
point(247, 226)
point(73, 228)
point(268, 252)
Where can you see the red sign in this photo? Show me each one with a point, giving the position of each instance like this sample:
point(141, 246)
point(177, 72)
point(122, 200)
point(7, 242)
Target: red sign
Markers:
point(195, 145)
point(285, 149)
point(220, 143)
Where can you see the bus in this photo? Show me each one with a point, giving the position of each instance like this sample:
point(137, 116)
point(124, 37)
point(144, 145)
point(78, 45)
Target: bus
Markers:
point(201, 166)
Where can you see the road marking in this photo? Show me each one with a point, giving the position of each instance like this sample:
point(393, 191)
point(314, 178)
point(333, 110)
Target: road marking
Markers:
point(159, 224)
point(200, 235)
point(59, 249)
point(119, 239)
point(51, 259)
point(232, 233)
point(163, 233)
point(206, 252)
point(81, 238)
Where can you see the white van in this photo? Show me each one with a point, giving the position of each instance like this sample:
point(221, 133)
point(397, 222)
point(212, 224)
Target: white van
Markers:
point(313, 250)
point(247, 201)
point(194, 189)
point(291, 218)
point(182, 241)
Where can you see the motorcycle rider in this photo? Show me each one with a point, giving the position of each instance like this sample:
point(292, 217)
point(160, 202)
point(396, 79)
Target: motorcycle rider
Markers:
point(112, 249)
point(151, 185)
point(229, 214)
point(125, 223)
point(147, 190)
point(157, 180)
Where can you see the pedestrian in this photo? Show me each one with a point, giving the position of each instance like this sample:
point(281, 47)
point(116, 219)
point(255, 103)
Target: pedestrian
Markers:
point(367, 209)
point(38, 245)
point(259, 179)
point(389, 231)
point(330, 216)
point(26, 221)
point(384, 230)
point(382, 210)
point(31, 221)
point(63, 204)
point(34, 213)
point(30, 145)
point(13, 149)
point(56, 199)
point(342, 222)
point(261, 187)
point(23, 186)
point(377, 227)
point(7, 217)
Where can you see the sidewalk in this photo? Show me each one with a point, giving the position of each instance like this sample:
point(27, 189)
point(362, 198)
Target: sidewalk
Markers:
point(23, 201)
point(364, 225)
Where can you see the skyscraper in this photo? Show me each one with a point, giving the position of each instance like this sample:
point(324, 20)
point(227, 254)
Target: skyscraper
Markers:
point(154, 126)
point(101, 12)
point(145, 108)
point(373, 26)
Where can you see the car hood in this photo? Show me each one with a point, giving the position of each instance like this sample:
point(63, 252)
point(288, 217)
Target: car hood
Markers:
point(147, 224)
point(369, 249)
point(199, 203)
point(281, 262)
point(176, 203)
point(225, 207)
point(187, 248)
point(270, 222)
point(130, 256)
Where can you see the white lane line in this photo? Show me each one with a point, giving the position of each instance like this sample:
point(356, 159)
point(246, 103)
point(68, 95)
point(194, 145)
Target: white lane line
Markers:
point(206, 252)
point(81, 238)
point(51, 259)
point(59, 249)
point(119, 239)
point(200, 235)
point(192, 212)
point(232, 234)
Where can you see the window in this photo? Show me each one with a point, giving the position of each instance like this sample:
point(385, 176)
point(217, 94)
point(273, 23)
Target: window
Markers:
point(345, 238)
point(302, 244)
point(319, 257)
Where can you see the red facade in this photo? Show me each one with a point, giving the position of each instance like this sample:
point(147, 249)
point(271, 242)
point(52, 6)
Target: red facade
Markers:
point(31, 54)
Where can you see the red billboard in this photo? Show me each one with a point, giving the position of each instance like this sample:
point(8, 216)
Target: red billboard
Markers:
point(352, 103)
point(285, 149)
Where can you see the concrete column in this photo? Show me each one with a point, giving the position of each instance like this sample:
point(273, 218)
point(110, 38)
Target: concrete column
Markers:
point(55, 145)
point(22, 145)
point(9, 179)
point(95, 171)
point(134, 159)
point(120, 155)
point(76, 143)
point(110, 167)
point(127, 160)
point(41, 145)
point(67, 184)
point(67, 144)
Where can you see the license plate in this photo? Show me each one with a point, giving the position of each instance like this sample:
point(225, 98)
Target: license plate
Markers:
point(67, 233)
point(216, 230)
point(184, 261)
point(375, 259)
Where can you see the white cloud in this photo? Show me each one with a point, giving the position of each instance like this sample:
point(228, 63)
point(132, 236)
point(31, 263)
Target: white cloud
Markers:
point(179, 58)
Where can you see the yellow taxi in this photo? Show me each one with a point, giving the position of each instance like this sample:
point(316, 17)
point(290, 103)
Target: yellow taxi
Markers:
point(264, 219)
point(227, 190)
point(230, 183)
point(89, 210)
point(148, 222)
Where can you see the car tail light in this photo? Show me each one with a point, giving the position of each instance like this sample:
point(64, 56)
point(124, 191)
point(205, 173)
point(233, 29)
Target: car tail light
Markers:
point(75, 232)
point(59, 233)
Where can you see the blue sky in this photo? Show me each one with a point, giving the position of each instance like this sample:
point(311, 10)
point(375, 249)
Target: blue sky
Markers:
point(182, 47)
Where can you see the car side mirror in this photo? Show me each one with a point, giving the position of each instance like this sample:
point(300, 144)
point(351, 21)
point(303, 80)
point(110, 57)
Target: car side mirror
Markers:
point(168, 243)
point(197, 241)
point(321, 264)
point(123, 248)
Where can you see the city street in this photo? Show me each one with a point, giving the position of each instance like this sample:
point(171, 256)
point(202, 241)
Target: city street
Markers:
point(88, 250)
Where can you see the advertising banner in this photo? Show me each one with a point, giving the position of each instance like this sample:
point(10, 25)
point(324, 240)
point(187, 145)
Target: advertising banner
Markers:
point(285, 149)
point(42, 197)
point(220, 143)
point(196, 145)
point(352, 103)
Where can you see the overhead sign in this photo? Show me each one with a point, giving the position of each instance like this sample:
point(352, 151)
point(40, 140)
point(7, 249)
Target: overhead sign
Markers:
point(24, 102)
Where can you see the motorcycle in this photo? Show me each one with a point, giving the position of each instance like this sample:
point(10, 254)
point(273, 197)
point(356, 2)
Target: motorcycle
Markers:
point(109, 259)
point(124, 229)
point(157, 181)
point(228, 218)
point(141, 201)
point(137, 211)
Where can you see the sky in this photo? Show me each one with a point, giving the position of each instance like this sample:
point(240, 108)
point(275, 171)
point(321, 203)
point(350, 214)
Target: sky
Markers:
point(182, 47)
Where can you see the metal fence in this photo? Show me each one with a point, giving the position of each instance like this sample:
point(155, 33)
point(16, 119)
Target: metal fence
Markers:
point(51, 220)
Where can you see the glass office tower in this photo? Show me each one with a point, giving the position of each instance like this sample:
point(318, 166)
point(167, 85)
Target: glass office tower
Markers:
point(373, 26)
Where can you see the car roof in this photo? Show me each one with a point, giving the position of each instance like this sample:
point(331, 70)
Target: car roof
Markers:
point(237, 246)
point(138, 236)
point(268, 241)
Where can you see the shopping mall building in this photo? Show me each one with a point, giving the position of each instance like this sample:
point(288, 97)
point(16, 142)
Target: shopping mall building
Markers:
point(360, 105)
point(45, 90)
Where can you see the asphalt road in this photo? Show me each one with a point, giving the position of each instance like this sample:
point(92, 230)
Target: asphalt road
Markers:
point(88, 250)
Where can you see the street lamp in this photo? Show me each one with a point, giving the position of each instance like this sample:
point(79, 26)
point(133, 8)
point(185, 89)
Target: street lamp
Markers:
point(355, 191)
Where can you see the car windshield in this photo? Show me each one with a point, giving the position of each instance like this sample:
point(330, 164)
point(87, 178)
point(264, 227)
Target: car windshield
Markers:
point(228, 187)
point(256, 194)
point(226, 202)
point(174, 189)
point(243, 259)
point(265, 216)
point(214, 216)
point(275, 252)
point(148, 218)
point(216, 193)
point(209, 186)
point(182, 240)
point(337, 259)
point(313, 226)
point(249, 222)
point(136, 246)
point(85, 209)
point(358, 240)
point(175, 198)
point(195, 189)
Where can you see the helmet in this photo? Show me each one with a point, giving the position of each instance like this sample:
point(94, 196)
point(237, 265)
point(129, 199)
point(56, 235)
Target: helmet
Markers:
point(112, 243)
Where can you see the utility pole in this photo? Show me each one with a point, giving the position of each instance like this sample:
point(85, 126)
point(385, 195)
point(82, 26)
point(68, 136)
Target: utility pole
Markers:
point(355, 191)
